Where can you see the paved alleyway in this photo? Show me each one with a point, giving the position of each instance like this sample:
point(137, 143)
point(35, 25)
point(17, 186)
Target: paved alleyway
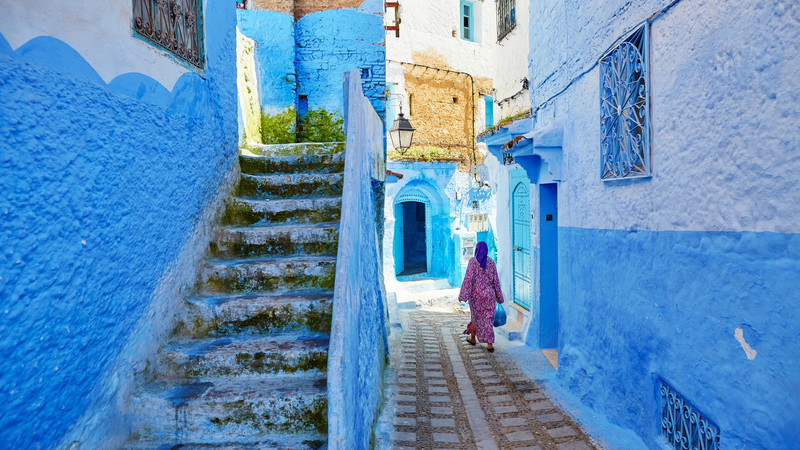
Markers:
point(444, 393)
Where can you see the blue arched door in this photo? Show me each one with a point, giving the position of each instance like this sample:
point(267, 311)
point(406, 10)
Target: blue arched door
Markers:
point(521, 244)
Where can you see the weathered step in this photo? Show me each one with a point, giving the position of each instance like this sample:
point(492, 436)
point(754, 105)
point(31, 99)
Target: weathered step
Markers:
point(247, 355)
point(228, 409)
point(287, 211)
point(267, 313)
point(278, 240)
point(267, 274)
point(296, 149)
point(256, 165)
point(302, 185)
point(310, 441)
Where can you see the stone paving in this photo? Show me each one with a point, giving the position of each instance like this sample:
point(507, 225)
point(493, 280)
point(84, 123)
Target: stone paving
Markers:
point(447, 394)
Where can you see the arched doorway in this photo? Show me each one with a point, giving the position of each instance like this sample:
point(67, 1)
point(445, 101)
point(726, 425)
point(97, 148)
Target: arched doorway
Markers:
point(413, 236)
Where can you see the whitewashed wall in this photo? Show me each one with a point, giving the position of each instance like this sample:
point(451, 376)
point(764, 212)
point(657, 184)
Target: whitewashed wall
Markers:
point(100, 30)
point(428, 27)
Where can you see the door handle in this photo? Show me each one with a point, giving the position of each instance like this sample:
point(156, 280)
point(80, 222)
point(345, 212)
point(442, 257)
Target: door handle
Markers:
point(516, 249)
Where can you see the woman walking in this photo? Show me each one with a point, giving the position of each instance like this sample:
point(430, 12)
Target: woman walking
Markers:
point(481, 288)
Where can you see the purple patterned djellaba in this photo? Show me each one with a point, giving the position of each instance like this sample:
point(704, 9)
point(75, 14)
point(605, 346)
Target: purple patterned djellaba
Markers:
point(481, 288)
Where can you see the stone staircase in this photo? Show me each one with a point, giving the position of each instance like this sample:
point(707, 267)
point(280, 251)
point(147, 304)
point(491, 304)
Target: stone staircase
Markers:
point(247, 367)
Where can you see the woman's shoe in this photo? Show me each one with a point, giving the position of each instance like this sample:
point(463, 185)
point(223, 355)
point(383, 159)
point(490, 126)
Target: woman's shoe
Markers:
point(471, 342)
point(491, 350)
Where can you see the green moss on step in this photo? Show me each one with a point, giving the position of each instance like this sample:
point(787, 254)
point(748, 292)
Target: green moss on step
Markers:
point(260, 282)
point(287, 415)
point(258, 188)
point(238, 213)
point(315, 317)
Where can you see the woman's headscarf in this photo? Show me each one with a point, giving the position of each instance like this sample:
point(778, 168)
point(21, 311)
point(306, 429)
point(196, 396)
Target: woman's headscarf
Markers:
point(481, 252)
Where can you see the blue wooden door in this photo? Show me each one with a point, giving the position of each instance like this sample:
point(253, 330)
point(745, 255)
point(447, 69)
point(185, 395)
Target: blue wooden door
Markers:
point(521, 244)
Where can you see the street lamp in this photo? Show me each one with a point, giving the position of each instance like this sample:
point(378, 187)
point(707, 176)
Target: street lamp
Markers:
point(401, 133)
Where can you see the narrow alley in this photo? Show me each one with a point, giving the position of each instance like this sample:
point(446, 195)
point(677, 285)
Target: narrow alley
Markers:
point(444, 393)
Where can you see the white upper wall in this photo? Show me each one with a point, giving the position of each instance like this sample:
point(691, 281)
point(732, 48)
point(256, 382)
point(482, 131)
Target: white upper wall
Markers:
point(429, 26)
point(100, 30)
point(724, 114)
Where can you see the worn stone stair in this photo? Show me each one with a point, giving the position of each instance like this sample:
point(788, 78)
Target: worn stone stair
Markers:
point(247, 366)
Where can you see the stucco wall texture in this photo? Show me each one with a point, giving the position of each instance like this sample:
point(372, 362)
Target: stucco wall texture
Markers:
point(101, 191)
point(309, 56)
point(656, 275)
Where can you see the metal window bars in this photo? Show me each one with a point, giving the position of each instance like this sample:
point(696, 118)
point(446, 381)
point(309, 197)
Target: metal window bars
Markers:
point(683, 426)
point(506, 17)
point(173, 25)
point(625, 108)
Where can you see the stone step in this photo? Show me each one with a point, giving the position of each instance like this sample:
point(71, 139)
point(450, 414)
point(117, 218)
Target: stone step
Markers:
point(278, 240)
point(267, 165)
point(420, 285)
point(246, 355)
point(264, 314)
point(287, 211)
point(295, 149)
point(228, 409)
point(302, 185)
point(268, 274)
point(311, 441)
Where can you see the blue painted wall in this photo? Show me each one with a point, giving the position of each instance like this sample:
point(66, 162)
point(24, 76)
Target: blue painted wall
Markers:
point(275, 49)
point(656, 276)
point(332, 42)
point(309, 57)
point(638, 305)
point(102, 185)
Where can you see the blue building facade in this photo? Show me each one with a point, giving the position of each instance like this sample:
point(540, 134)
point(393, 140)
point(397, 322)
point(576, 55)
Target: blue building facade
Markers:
point(661, 161)
point(112, 157)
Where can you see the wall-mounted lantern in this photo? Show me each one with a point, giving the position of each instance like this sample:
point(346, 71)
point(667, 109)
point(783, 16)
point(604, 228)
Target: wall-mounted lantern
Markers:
point(401, 133)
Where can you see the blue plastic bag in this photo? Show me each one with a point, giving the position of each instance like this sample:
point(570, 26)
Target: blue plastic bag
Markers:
point(499, 315)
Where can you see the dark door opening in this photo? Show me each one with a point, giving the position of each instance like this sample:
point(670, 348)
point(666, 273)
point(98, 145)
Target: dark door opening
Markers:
point(548, 222)
point(415, 255)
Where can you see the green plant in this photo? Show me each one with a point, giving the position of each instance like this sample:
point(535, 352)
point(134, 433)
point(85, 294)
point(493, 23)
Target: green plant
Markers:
point(317, 125)
point(423, 153)
point(320, 125)
point(279, 128)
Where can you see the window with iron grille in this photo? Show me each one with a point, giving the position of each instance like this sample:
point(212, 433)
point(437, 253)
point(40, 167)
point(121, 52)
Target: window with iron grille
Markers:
point(625, 108)
point(172, 25)
point(506, 17)
point(683, 426)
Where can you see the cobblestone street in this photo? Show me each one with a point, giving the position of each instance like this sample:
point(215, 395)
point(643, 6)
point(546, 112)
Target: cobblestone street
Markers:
point(445, 393)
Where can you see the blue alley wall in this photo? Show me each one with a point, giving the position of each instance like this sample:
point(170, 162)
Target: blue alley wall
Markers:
point(275, 48)
point(671, 314)
point(102, 185)
point(310, 56)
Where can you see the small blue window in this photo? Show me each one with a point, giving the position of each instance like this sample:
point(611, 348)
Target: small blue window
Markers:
point(467, 23)
point(489, 111)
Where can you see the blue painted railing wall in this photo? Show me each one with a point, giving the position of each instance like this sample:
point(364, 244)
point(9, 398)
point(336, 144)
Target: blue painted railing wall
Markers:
point(358, 349)
point(102, 183)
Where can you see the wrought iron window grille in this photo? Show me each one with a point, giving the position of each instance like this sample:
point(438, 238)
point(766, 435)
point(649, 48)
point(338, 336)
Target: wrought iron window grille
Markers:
point(625, 108)
point(172, 25)
point(682, 425)
point(506, 17)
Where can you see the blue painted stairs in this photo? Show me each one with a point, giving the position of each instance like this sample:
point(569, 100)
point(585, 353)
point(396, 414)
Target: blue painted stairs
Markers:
point(247, 366)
